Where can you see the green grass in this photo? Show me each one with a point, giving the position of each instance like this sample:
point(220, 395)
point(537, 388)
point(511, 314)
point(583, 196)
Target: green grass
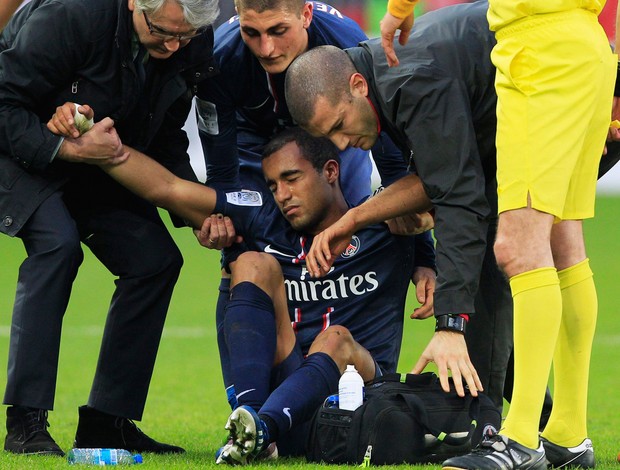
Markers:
point(186, 404)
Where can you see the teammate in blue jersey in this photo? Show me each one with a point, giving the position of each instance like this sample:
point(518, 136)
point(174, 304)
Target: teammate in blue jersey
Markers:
point(353, 316)
point(241, 108)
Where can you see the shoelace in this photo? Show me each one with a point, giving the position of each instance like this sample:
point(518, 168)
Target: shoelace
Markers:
point(127, 427)
point(36, 421)
point(486, 446)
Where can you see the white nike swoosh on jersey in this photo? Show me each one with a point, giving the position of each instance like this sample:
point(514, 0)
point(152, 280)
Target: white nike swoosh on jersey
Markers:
point(245, 391)
point(268, 249)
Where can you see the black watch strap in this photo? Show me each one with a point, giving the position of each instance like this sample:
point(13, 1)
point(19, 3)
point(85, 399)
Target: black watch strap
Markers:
point(455, 323)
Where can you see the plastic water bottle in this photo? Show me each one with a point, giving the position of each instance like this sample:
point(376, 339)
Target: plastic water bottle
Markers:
point(350, 389)
point(331, 401)
point(103, 457)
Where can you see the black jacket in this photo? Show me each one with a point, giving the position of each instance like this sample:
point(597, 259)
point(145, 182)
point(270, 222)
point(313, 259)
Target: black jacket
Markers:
point(55, 51)
point(439, 106)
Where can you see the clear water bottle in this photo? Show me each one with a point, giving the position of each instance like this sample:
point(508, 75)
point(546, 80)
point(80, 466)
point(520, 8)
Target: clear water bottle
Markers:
point(350, 389)
point(103, 457)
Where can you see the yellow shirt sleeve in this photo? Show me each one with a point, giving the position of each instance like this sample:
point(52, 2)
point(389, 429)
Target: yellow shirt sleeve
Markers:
point(401, 8)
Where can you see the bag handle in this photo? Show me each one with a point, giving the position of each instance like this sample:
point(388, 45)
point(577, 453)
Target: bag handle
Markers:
point(416, 405)
point(416, 380)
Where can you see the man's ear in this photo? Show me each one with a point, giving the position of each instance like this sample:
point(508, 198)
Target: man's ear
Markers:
point(331, 170)
point(306, 14)
point(131, 5)
point(358, 85)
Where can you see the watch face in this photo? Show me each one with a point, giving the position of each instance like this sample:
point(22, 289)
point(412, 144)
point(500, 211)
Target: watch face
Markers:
point(451, 323)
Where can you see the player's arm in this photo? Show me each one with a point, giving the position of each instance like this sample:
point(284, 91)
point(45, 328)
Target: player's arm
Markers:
point(145, 177)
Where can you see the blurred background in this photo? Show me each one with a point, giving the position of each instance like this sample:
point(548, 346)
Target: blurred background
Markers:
point(368, 13)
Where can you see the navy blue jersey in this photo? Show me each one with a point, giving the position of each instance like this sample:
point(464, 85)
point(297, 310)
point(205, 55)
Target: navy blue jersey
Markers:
point(365, 290)
point(243, 107)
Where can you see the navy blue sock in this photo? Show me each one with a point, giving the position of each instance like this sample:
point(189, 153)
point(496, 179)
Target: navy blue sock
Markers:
point(220, 310)
point(250, 334)
point(298, 397)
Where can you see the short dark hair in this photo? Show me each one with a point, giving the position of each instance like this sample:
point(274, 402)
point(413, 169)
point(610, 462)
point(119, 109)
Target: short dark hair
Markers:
point(317, 150)
point(265, 5)
point(322, 71)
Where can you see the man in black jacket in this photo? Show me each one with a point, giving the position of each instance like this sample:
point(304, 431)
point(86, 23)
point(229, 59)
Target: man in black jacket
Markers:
point(439, 107)
point(136, 62)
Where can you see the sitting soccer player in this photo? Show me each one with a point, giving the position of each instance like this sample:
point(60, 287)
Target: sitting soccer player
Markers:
point(283, 370)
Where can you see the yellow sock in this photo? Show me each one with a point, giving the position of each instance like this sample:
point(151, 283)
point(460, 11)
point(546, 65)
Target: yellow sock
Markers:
point(537, 314)
point(571, 361)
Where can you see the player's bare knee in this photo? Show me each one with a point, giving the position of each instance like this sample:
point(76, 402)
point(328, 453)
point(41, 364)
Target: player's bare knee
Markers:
point(260, 269)
point(337, 342)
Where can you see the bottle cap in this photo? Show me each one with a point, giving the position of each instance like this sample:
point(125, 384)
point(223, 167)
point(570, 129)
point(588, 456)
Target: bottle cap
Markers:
point(137, 458)
point(351, 367)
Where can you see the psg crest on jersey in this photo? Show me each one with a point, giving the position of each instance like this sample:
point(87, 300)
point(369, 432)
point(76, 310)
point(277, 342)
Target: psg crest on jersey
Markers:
point(354, 246)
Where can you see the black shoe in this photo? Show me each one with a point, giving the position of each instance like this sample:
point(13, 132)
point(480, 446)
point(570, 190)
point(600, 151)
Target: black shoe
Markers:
point(99, 429)
point(27, 432)
point(498, 452)
point(581, 456)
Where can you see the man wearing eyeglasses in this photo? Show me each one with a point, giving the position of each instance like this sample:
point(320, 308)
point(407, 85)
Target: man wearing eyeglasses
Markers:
point(137, 63)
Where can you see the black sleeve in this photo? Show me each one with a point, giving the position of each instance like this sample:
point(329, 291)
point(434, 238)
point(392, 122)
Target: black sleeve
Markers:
point(436, 119)
point(44, 53)
point(424, 249)
point(217, 127)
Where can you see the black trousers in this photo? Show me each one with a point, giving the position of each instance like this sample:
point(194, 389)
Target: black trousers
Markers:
point(130, 239)
point(489, 332)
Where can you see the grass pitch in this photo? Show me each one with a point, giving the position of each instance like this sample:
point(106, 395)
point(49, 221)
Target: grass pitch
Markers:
point(187, 405)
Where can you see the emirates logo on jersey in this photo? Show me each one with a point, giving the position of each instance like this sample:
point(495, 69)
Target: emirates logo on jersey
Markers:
point(354, 246)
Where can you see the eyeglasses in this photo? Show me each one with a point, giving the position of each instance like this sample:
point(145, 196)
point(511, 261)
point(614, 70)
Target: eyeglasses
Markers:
point(167, 35)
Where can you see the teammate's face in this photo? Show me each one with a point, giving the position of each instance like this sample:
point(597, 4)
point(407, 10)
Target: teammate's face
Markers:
point(168, 19)
point(276, 37)
point(350, 123)
point(303, 195)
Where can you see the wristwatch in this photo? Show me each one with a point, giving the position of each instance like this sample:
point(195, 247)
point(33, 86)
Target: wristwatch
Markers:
point(451, 322)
